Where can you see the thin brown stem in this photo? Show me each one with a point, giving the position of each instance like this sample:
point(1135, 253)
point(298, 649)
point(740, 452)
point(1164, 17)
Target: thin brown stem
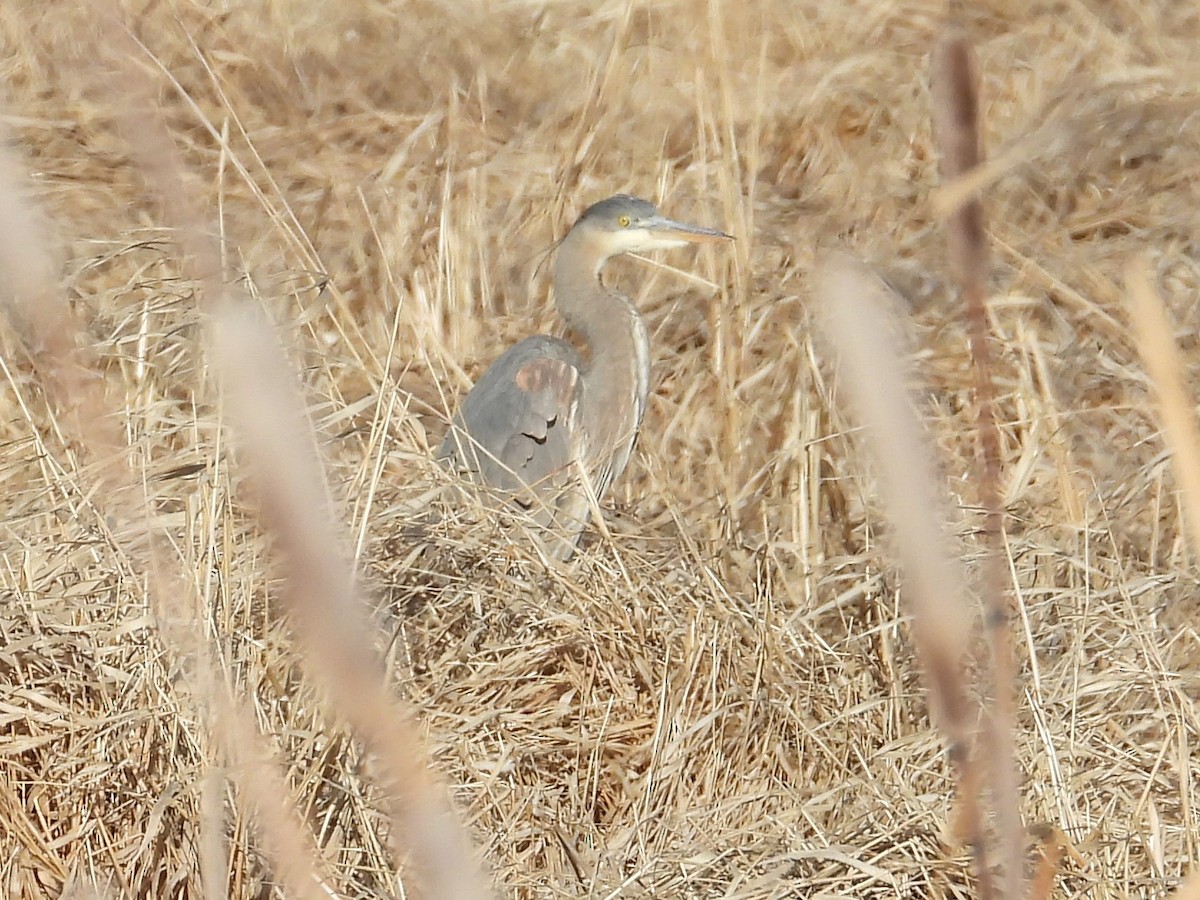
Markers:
point(956, 124)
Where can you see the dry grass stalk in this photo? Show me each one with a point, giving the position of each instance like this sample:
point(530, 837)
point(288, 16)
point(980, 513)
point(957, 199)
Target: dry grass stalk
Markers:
point(295, 858)
point(90, 419)
point(50, 332)
point(278, 447)
point(279, 452)
point(955, 88)
point(1160, 355)
point(430, 827)
point(857, 315)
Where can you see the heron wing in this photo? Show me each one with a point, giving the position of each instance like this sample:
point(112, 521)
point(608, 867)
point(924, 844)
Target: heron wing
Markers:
point(514, 428)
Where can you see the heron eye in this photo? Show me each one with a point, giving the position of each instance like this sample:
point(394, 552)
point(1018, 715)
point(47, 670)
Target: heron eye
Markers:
point(623, 221)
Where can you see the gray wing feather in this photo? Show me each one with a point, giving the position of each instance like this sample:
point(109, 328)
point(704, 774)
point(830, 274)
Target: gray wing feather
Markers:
point(513, 429)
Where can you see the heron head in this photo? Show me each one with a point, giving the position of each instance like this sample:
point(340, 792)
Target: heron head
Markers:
point(625, 224)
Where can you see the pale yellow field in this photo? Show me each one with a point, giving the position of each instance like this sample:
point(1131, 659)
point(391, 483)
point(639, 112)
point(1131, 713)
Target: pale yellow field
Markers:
point(720, 696)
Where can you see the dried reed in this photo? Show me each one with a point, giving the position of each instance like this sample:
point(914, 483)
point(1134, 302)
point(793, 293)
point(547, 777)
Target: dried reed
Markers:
point(954, 84)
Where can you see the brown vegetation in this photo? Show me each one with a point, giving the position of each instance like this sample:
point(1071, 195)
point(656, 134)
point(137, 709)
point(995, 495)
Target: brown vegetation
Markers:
point(720, 696)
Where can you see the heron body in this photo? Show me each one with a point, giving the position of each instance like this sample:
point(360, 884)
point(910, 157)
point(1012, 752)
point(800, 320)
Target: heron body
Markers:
point(547, 425)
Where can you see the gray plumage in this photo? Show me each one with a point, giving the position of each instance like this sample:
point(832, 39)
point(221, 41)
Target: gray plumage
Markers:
point(518, 435)
point(547, 425)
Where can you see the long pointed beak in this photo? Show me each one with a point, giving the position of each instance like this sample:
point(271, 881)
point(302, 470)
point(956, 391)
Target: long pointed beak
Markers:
point(661, 226)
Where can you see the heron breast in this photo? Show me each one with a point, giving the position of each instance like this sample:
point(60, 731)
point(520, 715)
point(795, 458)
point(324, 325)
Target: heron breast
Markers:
point(615, 395)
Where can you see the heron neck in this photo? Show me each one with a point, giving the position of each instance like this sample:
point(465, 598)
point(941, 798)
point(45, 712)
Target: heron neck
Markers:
point(578, 292)
point(609, 324)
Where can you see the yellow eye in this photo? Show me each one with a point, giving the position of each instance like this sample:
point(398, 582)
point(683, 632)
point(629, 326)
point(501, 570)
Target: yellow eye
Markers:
point(623, 221)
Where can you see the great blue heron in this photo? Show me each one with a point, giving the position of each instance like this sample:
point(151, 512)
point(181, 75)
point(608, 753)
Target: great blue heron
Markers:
point(547, 426)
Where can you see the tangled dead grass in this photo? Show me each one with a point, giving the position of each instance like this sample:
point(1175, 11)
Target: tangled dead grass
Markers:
point(720, 697)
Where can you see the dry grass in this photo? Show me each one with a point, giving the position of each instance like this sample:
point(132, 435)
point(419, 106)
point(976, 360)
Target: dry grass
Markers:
point(721, 697)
